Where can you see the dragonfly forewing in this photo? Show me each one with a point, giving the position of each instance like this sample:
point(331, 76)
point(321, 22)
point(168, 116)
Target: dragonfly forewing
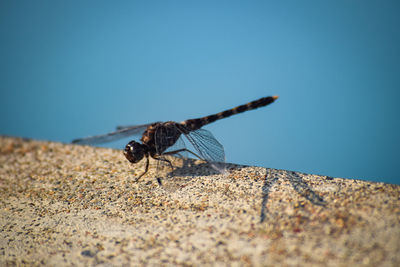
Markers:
point(122, 132)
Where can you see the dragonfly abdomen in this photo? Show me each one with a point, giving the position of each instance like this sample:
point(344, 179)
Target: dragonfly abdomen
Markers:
point(195, 124)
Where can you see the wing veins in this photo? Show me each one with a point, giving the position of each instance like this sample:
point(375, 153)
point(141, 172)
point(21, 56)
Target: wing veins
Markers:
point(122, 132)
point(206, 145)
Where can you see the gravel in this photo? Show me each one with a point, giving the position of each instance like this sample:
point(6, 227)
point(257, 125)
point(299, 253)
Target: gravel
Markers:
point(64, 205)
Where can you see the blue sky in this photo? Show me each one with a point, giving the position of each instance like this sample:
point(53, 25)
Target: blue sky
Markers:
point(70, 69)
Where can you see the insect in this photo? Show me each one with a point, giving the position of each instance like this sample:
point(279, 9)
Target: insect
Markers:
point(158, 137)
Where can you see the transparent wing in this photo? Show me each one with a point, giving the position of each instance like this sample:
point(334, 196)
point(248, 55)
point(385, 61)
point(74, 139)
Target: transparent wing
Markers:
point(135, 127)
point(206, 145)
point(109, 137)
point(178, 145)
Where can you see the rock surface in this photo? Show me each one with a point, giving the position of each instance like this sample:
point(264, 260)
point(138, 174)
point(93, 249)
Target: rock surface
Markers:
point(76, 205)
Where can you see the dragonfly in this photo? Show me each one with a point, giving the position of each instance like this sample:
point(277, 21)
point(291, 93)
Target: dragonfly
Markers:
point(158, 138)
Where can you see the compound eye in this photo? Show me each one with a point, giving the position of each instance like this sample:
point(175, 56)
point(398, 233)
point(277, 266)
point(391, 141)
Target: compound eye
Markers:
point(134, 151)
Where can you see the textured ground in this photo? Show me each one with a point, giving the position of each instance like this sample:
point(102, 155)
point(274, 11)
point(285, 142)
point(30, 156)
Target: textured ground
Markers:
point(75, 205)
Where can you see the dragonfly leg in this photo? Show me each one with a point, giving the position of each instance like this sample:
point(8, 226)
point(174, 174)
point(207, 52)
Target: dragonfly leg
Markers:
point(164, 159)
point(145, 170)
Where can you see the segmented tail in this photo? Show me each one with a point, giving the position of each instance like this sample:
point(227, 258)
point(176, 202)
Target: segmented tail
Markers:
point(195, 124)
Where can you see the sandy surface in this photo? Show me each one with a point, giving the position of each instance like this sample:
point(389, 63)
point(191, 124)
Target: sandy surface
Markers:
point(78, 205)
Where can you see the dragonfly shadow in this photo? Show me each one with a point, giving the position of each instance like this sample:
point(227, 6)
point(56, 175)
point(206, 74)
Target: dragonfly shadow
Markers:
point(298, 184)
point(193, 167)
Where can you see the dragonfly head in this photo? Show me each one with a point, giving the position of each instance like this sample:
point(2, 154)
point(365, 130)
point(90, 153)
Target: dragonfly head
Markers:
point(134, 151)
